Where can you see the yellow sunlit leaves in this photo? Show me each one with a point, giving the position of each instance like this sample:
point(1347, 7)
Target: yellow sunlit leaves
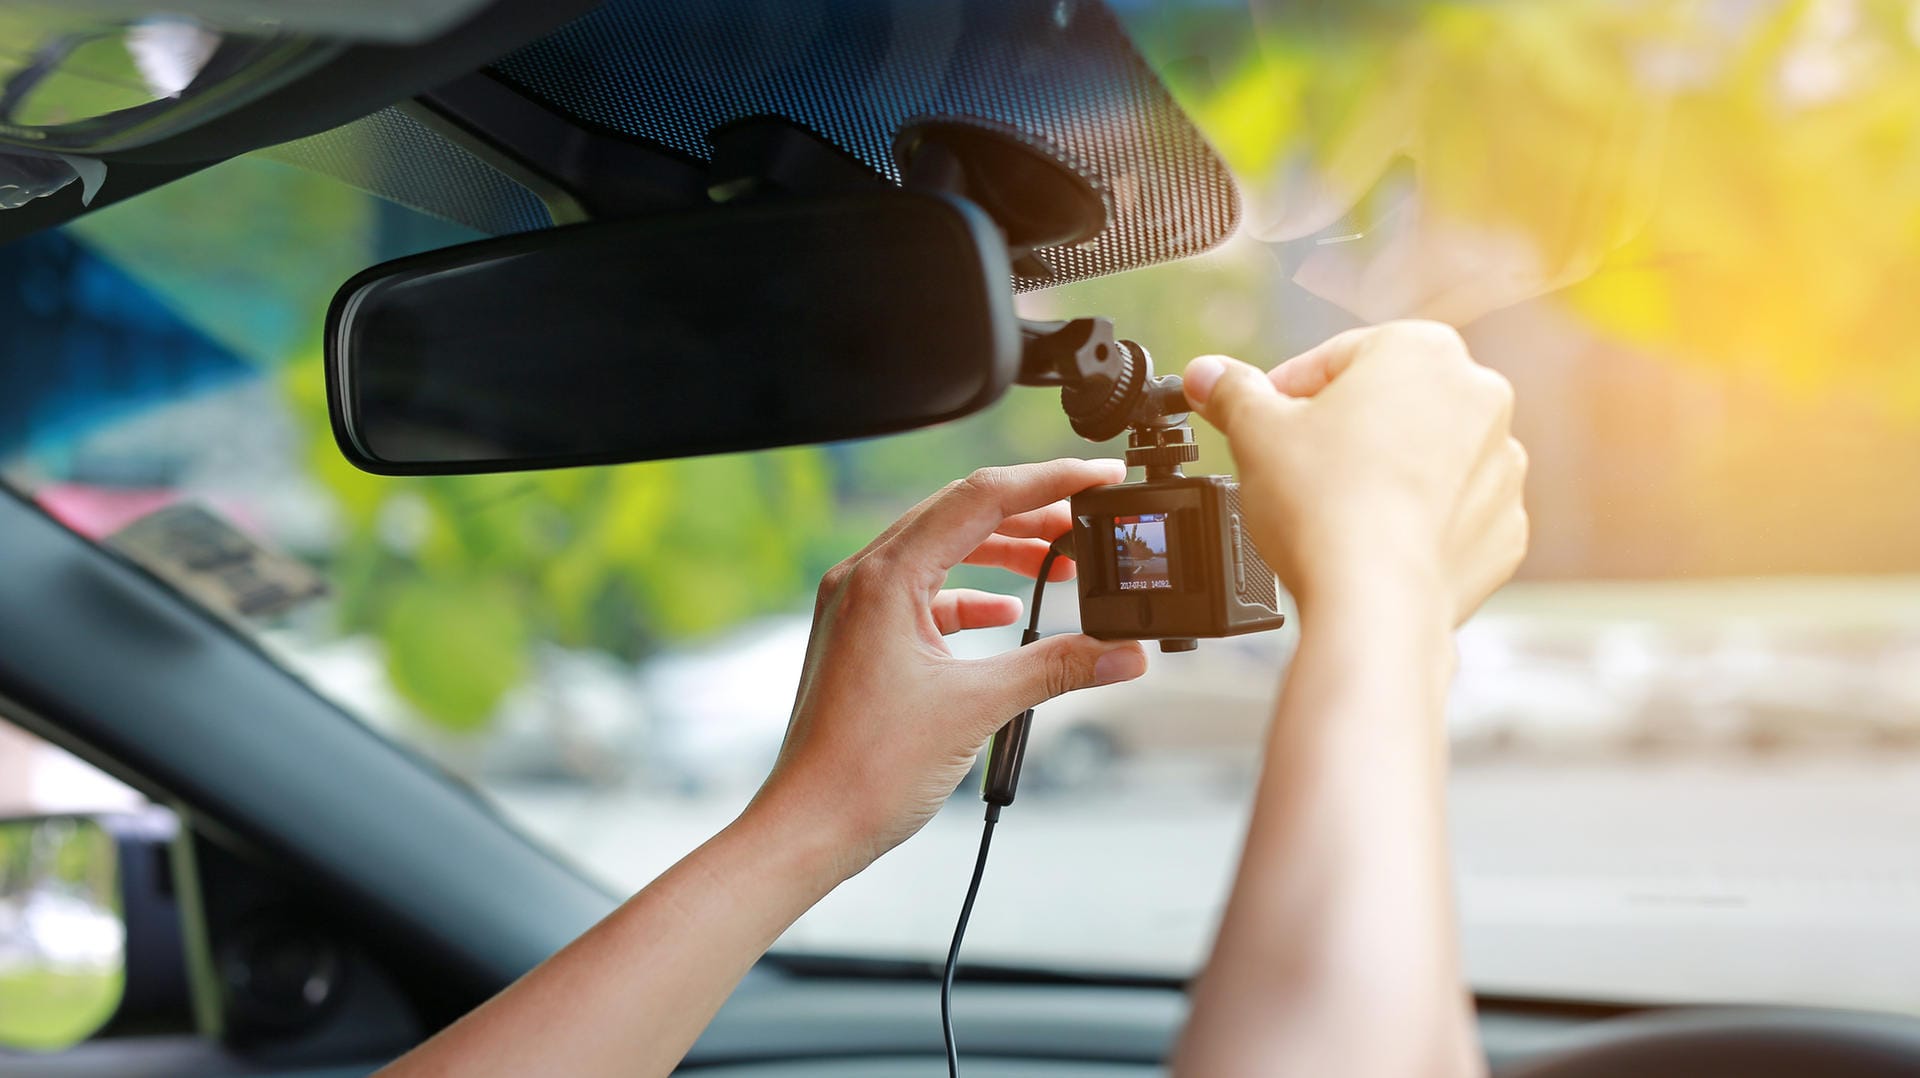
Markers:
point(1733, 186)
point(1245, 114)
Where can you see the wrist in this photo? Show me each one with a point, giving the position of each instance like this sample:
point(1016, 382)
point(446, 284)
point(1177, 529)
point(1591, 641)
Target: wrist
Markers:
point(1374, 578)
point(802, 836)
point(1385, 606)
point(1366, 546)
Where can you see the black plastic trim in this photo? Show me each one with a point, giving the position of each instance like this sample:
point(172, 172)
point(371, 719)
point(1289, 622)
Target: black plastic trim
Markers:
point(108, 661)
point(609, 174)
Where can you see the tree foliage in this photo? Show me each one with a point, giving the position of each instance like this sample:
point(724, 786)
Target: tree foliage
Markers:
point(459, 576)
point(1731, 186)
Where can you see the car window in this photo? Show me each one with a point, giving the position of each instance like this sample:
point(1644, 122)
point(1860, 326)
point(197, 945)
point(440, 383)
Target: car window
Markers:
point(1686, 741)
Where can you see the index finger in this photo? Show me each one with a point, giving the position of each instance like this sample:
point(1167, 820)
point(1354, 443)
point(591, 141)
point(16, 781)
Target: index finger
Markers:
point(960, 518)
point(1315, 369)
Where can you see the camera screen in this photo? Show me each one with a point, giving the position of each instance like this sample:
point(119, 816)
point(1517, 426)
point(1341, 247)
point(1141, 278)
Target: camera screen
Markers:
point(1140, 552)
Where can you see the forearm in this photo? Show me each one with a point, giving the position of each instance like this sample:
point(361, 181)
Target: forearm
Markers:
point(631, 995)
point(1337, 951)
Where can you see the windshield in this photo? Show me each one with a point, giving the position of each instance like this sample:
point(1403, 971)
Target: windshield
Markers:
point(1686, 741)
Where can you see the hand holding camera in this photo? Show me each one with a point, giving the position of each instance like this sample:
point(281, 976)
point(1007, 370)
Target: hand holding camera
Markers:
point(887, 721)
point(1384, 452)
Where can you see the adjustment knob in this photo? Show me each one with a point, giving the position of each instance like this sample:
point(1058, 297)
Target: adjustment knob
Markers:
point(1098, 407)
point(1154, 457)
point(1161, 449)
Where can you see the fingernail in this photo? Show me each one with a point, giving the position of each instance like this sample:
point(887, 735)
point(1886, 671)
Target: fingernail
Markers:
point(1120, 664)
point(1200, 377)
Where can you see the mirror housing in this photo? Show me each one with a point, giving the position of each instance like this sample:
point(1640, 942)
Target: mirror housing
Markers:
point(62, 939)
point(89, 929)
point(786, 321)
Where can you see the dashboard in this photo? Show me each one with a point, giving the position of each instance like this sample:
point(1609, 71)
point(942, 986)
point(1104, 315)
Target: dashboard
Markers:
point(794, 1027)
point(782, 1025)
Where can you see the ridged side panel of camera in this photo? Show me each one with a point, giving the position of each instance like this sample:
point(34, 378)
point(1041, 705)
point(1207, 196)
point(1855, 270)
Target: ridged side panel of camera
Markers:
point(1257, 584)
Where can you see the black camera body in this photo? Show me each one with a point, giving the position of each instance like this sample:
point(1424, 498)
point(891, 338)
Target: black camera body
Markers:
point(1169, 559)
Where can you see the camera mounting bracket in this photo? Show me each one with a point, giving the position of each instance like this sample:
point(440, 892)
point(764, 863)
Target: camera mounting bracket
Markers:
point(1107, 387)
point(1038, 194)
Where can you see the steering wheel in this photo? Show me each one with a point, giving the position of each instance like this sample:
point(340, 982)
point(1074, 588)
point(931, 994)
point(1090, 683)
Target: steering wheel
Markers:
point(1747, 1042)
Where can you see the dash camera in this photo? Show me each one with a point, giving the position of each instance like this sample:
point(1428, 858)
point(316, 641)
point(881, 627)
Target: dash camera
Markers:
point(1168, 557)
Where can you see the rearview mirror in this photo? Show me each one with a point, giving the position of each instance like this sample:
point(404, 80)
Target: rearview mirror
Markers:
point(706, 331)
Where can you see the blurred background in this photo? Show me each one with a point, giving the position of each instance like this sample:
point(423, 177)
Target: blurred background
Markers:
point(1686, 740)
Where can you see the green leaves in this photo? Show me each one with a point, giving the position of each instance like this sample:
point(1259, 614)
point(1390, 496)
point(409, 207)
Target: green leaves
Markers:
point(461, 577)
point(454, 648)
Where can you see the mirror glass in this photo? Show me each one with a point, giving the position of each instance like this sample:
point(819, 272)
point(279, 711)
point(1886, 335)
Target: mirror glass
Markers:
point(715, 330)
point(62, 939)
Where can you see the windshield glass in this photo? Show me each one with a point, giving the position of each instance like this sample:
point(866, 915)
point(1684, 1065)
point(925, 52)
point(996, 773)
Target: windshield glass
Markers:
point(1686, 741)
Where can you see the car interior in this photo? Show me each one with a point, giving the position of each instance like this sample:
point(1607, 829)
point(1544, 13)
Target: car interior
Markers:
point(296, 891)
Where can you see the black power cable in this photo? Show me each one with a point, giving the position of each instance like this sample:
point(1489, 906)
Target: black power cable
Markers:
point(959, 932)
point(1003, 774)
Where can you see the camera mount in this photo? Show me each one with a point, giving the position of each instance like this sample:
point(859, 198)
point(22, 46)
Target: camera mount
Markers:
point(1107, 387)
point(1039, 195)
point(1162, 450)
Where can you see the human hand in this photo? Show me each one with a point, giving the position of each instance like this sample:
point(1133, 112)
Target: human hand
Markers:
point(887, 721)
point(1386, 449)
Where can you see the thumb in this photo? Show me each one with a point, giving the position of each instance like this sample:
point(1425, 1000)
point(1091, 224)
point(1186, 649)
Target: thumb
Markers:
point(1227, 392)
point(1032, 675)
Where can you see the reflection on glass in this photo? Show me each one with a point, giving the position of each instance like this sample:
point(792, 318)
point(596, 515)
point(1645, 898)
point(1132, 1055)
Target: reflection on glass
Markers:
point(60, 70)
point(87, 84)
point(84, 77)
